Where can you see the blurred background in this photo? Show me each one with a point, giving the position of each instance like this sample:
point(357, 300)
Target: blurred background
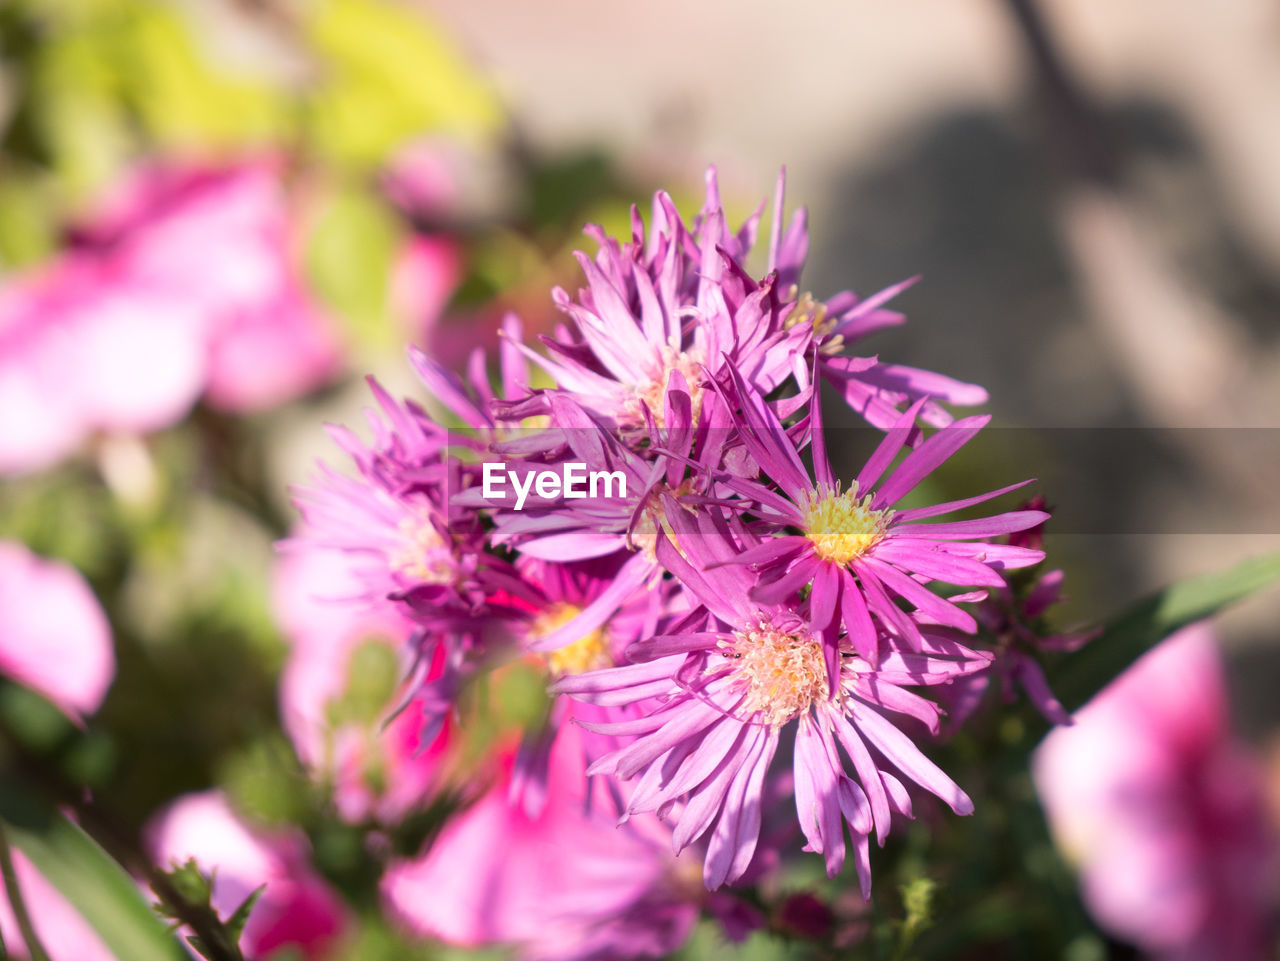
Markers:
point(238, 208)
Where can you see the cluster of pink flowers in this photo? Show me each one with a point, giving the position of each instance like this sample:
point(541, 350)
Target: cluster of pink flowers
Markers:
point(719, 604)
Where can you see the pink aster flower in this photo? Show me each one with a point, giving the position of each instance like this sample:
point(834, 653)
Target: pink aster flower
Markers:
point(54, 636)
point(406, 541)
point(396, 521)
point(565, 883)
point(729, 679)
point(297, 909)
point(1162, 810)
point(856, 551)
point(631, 322)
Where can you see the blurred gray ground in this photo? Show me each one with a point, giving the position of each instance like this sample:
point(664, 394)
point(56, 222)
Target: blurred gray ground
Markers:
point(1146, 317)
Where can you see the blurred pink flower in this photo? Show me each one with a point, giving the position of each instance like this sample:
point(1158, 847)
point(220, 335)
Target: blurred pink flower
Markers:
point(63, 933)
point(84, 349)
point(423, 177)
point(376, 771)
point(54, 636)
point(226, 238)
point(297, 908)
point(184, 283)
point(1163, 810)
point(569, 883)
point(427, 272)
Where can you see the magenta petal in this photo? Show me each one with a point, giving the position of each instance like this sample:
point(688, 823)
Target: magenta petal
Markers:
point(924, 600)
point(888, 448)
point(867, 771)
point(664, 645)
point(907, 758)
point(703, 759)
point(924, 557)
point(879, 603)
point(855, 806)
point(1037, 687)
point(857, 621)
point(785, 588)
point(893, 698)
point(628, 580)
point(933, 510)
point(689, 720)
point(1008, 523)
point(921, 462)
point(733, 843)
point(705, 803)
point(824, 596)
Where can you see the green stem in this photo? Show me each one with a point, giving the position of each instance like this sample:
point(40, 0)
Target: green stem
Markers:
point(34, 948)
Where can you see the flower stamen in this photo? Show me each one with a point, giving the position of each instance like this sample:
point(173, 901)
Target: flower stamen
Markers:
point(781, 673)
point(843, 527)
point(422, 554)
point(652, 393)
point(587, 653)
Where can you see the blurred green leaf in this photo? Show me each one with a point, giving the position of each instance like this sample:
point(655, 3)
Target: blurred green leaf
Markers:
point(1076, 679)
point(350, 254)
point(917, 901)
point(33, 721)
point(521, 694)
point(182, 98)
point(265, 781)
point(26, 226)
point(373, 673)
point(392, 75)
point(88, 878)
point(75, 107)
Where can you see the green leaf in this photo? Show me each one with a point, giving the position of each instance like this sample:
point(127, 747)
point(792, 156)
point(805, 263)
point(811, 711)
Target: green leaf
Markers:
point(240, 917)
point(88, 878)
point(183, 98)
point(350, 255)
point(391, 75)
point(1079, 677)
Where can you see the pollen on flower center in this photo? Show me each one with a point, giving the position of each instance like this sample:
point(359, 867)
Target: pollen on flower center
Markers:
point(782, 673)
point(652, 393)
point(587, 653)
point(841, 527)
point(812, 313)
point(422, 553)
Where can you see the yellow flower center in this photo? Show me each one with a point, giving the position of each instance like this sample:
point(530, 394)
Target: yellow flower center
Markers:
point(809, 312)
point(422, 553)
point(841, 527)
point(587, 653)
point(782, 674)
point(652, 393)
